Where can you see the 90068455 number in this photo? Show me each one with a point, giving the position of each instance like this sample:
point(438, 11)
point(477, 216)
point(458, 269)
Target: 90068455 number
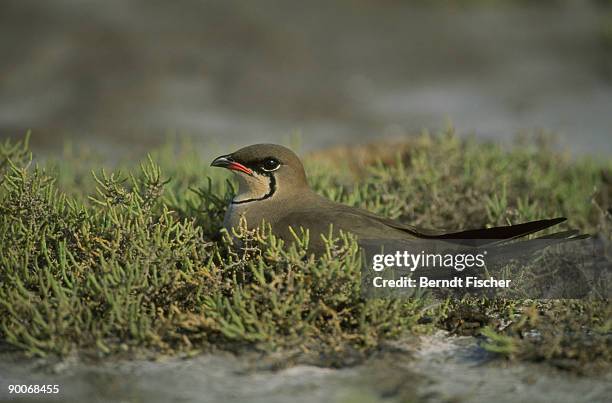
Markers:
point(33, 389)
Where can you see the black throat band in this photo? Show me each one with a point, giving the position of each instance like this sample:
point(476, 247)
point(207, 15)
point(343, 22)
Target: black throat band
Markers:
point(264, 197)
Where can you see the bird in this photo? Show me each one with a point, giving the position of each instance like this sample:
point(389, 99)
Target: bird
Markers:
point(273, 189)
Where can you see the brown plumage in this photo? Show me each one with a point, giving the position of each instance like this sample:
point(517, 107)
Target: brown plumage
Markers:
point(273, 189)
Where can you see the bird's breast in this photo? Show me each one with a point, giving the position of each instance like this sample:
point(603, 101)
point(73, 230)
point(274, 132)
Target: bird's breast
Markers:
point(232, 216)
point(254, 213)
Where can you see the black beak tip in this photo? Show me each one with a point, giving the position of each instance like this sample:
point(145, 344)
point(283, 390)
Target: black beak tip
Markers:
point(221, 161)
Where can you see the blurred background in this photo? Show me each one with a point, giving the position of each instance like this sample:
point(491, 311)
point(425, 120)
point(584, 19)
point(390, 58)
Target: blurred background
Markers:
point(121, 76)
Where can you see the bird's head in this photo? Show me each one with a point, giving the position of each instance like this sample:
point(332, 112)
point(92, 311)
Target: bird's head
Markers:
point(264, 171)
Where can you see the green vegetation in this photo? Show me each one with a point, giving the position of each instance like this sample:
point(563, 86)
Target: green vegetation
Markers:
point(123, 262)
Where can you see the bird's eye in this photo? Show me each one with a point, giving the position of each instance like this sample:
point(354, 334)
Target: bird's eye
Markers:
point(270, 164)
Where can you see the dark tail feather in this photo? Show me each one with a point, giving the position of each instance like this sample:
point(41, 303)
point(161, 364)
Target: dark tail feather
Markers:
point(506, 233)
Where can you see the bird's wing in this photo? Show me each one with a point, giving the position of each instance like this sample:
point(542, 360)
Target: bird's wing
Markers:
point(483, 236)
point(505, 232)
point(369, 225)
point(364, 223)
point(358, 222)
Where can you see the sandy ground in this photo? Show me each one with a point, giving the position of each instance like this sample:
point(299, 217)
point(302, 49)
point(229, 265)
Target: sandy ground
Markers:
point(439, 369)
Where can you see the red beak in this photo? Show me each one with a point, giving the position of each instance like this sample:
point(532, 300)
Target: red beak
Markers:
point(226, 161)
point(236, 166)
